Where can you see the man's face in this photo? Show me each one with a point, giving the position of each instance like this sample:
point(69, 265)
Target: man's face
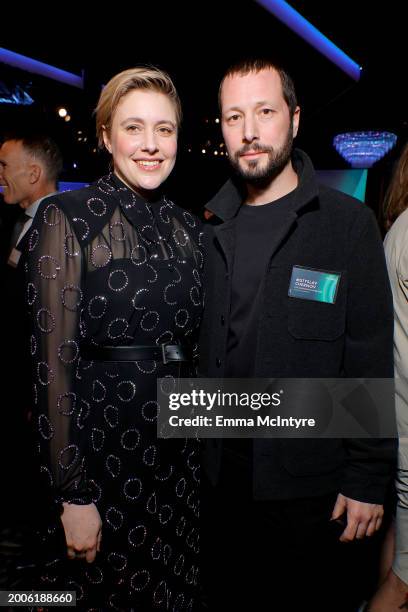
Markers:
point(256, 125)
point(15, 172)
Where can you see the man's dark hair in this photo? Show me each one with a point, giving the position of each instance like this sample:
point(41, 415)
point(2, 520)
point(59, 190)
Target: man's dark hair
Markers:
point(43, 148)
point(245, 66)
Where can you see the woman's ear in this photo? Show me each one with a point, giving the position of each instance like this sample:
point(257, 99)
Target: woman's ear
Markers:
point(106, 139)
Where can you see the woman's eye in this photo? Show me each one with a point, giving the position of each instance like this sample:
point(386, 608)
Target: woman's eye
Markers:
point(133, 128)
point(166, 131)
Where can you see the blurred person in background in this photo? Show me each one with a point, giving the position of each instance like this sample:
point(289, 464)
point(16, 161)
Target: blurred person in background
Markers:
point(393, 591)
point(30, 164)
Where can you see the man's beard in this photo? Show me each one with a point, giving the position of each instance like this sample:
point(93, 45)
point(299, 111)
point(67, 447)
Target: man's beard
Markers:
point(258, 174)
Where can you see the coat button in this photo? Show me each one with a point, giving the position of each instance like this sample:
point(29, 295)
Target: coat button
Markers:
point(218, 362)
point(222, 320)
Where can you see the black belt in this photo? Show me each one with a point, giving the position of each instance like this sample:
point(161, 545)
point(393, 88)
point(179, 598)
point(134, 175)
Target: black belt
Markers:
point(163, 352)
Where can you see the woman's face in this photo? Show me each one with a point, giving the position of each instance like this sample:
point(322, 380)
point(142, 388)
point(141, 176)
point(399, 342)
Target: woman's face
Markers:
point(143, 139)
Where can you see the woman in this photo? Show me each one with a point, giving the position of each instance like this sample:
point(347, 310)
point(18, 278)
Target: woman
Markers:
point(114, 285)
point(393, 592)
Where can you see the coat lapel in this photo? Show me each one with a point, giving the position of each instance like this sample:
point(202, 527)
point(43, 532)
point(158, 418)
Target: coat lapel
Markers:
point(280, 233)
point(225, 235)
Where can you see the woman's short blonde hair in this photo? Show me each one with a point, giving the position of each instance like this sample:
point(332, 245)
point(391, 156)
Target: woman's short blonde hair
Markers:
point(140, 77)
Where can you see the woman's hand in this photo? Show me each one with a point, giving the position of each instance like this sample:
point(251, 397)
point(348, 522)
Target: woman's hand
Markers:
point(82, 526)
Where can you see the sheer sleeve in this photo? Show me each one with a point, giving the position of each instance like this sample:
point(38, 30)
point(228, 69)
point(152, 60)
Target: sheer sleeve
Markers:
point(54, 296)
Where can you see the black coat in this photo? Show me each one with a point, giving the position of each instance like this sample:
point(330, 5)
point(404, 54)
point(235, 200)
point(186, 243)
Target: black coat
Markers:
point(326, 230)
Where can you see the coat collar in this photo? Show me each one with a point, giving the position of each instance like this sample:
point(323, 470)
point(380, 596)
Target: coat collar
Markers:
point(228, 200)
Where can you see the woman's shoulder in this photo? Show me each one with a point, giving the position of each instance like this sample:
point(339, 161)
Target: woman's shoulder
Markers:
point(396, 245)
point(87, 209)
point(400, 225)
point(396, 237)
point(72, 201)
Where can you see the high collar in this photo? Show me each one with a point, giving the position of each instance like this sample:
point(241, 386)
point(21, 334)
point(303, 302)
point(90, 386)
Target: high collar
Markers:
point(227, 201)
point(129, 198)
point(149, 217)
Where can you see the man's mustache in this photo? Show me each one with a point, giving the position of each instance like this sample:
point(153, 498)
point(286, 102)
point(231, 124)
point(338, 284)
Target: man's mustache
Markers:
point(253, 147)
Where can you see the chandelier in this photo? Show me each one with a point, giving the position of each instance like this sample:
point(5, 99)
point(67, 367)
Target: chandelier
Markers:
point(363, 149)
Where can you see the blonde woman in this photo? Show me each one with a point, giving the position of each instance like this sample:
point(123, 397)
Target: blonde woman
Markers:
point(115, 294)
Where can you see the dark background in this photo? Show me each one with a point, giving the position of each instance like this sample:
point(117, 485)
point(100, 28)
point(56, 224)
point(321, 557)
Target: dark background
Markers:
point(196, 42)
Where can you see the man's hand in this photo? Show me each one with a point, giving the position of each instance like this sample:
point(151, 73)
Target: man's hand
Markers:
point(82, 526)
point(362, 519)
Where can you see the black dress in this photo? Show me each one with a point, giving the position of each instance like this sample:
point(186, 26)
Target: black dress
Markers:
point(107, 268)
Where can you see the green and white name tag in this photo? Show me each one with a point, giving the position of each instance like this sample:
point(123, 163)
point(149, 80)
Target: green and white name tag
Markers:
point(316, 285)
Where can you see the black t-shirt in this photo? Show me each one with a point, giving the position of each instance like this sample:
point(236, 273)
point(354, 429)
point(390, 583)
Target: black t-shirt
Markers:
point(254, 228)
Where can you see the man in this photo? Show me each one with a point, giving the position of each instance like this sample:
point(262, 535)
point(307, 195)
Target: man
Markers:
point(29, 170)
point(286, 515)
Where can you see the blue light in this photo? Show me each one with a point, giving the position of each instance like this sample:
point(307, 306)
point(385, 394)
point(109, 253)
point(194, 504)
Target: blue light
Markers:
point(70, 186)
point(65, 186)
point(294, 20)
point(363, 149)
point(31, 65)
point(14, 96)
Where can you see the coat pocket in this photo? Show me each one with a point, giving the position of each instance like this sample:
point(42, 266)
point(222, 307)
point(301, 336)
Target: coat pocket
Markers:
point(312, 320)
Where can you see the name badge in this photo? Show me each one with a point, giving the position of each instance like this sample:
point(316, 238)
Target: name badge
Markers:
point(316, 285)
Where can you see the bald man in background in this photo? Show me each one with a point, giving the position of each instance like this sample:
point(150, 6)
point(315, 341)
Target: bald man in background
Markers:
point(30, 165)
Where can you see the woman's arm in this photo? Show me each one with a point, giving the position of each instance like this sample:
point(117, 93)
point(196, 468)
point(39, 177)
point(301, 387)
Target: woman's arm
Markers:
point(55, 298)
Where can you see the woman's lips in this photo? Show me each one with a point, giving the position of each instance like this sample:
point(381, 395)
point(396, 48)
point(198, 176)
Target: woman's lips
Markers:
point(148, 165)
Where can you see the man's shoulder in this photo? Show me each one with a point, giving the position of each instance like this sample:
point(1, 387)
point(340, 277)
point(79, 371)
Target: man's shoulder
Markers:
point(346, 211)
point(338, 202)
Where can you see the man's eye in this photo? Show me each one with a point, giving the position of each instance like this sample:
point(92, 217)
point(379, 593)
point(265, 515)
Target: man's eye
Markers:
point(266, 112)
point(233, 118)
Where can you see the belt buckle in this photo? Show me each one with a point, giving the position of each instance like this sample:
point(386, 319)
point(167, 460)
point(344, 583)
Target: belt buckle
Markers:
point(163, 350)
point(176, 349)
